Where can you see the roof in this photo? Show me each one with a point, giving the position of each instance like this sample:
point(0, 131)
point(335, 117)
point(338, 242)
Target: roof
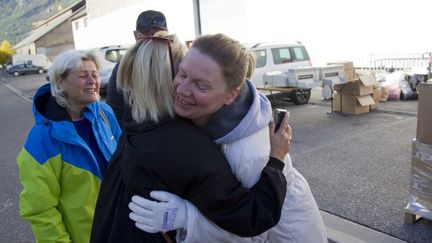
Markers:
point(51, 23)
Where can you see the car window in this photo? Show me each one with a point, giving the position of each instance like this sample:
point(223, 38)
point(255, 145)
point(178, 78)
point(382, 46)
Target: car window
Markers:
point(260, 58)
point(281, 55)
point(115, 55)
point(300, 53)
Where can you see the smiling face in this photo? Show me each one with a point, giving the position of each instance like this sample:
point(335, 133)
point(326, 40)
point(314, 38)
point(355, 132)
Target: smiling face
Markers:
point(81, 86)
point(200, 87)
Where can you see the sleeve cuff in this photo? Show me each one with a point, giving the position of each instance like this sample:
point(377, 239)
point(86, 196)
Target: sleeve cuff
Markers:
point(275, 163)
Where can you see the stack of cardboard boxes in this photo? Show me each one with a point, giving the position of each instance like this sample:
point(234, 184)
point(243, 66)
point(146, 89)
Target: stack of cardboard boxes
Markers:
point(358, 96)
point(420, 199)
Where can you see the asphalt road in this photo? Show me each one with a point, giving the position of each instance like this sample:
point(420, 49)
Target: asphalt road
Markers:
point(358, 167)
point(16, 115)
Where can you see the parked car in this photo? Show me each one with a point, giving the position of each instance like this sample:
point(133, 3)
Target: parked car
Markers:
point(110, 56)
point(24, 68)
point(280, 56)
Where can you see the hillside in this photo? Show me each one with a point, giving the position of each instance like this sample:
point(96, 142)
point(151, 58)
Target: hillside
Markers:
point(18, 16)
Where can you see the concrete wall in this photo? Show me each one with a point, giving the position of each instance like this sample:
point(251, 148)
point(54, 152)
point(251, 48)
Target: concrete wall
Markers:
point(27, 49)
point(57, 40)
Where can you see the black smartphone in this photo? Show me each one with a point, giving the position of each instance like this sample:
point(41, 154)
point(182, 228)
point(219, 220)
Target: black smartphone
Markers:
point(278, 116)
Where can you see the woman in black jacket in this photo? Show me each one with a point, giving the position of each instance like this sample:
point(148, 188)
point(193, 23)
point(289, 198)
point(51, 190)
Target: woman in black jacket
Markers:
point(159, 151)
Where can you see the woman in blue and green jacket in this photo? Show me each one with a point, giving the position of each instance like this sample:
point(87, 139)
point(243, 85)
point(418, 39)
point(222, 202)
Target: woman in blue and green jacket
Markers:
point(67, 150)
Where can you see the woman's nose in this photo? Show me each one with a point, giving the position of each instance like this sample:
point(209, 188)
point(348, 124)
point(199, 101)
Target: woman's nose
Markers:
point(92, 79)
point(182, 87)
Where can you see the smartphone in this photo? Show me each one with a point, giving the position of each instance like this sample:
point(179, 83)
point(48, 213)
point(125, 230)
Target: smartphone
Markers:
point(278, 116)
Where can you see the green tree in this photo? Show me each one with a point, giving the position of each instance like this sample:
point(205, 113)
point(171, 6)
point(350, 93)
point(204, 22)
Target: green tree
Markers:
point(6, 51)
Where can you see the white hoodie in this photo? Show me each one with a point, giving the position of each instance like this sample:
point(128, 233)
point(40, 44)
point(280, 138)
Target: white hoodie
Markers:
point(246, 145)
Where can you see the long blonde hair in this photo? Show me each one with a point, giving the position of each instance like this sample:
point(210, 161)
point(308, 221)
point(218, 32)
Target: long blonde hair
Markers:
point(145, 77)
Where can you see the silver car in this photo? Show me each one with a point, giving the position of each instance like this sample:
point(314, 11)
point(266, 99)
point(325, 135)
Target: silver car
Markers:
point(111, 55)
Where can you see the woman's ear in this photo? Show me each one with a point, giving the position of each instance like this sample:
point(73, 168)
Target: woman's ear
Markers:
point(231, 96)
point(60, 83)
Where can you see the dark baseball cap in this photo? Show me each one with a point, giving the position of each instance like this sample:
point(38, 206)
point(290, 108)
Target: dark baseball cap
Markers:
point(150, 19)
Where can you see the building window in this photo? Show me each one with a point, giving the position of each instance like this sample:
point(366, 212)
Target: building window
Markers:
point(85, 22)
point(76, 25)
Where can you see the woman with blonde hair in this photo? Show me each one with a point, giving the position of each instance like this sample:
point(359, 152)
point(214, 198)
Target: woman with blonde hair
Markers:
point(159, 151)
point(215, 67)
point(67, 150)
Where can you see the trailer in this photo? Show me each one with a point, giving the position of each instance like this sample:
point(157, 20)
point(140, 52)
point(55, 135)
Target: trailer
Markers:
point(295, 84)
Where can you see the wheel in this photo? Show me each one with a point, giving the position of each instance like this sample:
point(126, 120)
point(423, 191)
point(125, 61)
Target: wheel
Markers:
point(300, 96)
point(40, 71)
point(16, 73)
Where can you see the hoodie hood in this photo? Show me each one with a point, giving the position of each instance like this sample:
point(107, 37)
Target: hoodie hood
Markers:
point(46, 108)
point(250, 112)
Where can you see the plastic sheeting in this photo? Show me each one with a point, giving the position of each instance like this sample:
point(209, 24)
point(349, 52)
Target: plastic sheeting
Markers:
point(420, 199)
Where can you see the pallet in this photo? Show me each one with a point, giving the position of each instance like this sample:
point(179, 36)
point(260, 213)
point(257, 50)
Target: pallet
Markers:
point(411, 218)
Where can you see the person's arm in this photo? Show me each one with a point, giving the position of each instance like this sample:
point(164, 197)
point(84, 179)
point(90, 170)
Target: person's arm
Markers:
point(195, 227)
point(40, 197)
point(242, 211)
point(210, 185)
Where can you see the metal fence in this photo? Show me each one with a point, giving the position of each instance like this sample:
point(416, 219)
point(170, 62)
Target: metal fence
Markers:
point(402, 61)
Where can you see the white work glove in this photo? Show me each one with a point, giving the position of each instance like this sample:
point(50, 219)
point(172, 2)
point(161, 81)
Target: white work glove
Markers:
point(166, 214)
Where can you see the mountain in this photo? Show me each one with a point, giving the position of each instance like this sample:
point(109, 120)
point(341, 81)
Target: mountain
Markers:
point(18, 17)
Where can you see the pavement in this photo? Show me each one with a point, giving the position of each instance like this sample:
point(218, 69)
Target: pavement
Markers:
point(358, 167)
point(340, 230)
point(360, 201)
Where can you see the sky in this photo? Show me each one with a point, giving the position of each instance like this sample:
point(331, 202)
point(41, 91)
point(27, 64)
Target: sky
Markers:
point(336, 30)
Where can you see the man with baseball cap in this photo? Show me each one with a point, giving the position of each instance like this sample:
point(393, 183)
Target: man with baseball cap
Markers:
point(148, 23)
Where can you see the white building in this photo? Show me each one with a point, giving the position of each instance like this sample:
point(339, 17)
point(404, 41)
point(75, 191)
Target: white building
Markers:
point(112, 22)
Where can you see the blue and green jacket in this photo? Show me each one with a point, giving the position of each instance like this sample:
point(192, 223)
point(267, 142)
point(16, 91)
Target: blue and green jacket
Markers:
point(58, 172)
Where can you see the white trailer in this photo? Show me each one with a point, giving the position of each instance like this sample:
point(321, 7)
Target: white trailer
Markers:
point(298, 82)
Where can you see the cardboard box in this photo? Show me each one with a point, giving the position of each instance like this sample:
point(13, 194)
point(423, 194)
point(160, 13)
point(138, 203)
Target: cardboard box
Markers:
point(359, 87)
point(356, 104)
point(424, 113)
point(376, 95)
point(349, 70)
point(346, 64)
point(337, 102)
point(384, 94)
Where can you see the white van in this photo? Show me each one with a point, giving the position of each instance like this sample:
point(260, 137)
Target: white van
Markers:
point(280, 56)
point(40, 60)
point(277, 57)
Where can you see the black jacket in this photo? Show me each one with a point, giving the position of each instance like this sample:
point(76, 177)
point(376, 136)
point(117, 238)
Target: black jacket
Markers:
point(115, 99)
point(175, 156)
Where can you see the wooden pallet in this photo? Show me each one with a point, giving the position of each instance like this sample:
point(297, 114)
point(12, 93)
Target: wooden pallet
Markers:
point(411, 217)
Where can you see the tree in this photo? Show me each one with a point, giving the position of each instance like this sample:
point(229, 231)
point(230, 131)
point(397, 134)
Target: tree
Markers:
point(6, 51)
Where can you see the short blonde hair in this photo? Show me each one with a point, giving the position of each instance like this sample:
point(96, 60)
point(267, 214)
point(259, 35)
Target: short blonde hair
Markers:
point(145, 77)
point(65, 63)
